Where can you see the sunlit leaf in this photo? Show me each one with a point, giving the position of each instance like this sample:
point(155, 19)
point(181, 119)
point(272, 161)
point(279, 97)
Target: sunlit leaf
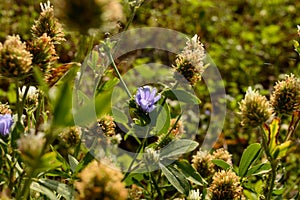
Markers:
point(248, 157)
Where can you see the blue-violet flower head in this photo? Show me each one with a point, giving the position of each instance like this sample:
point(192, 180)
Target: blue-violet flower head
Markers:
point(146, 98)
point(6, 122)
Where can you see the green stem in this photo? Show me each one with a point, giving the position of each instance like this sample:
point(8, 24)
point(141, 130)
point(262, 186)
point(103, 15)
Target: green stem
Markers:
point(135, 156)
point(272, 180)
point(118, 73)
point(156, 186)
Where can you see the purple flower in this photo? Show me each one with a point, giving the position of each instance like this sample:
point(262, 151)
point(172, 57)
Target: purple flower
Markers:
point(146, 98)
point(6, 122)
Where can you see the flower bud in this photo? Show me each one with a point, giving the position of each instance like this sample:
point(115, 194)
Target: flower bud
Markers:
point(285, 98)
point(255, 109)
point(225, 185)
point(15, 60)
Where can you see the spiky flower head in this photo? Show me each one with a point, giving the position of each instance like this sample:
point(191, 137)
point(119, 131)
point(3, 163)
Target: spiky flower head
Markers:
point(71, 135)
point(222, 154)
point(4, 109)
point(225, 186)
point(47, 23)
point(31, 146)
point(98, 182)
point(202, 162)
point(107, 125)
point(190, 62)
point(15, 60)
point(85, 15)
point(135, 192)
point(286, 95)
point(43, 51)
point(255, 109)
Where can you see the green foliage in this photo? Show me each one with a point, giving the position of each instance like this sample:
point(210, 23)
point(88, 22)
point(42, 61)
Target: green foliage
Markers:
point(251, 43)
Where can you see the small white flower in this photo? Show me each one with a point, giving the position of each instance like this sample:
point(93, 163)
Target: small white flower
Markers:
point(194, 195)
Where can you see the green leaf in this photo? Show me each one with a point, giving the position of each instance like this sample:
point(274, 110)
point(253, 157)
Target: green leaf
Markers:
point(86, 160)
point(261, 168)
point(61, 188)
point(44, 190)
point(189, 172)
point(48, 161)
point(62, 114)
point(65, 164)
point(178, 147)
point(249, 156)
point(221, 163)
point(182, 95)
point(73, 162)
point(176, 179)
point(163, 120)
point(273, 133)
point(119, 116)
point(281, 150)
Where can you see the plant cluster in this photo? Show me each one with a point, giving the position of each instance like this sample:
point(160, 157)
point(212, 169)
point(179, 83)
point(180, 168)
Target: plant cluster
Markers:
point(61, 137)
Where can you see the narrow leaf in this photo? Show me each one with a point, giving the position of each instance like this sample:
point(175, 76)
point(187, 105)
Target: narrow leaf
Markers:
point(73, 163)
point(44, 190)
point(183, 96)
point(178, 147)
point(189, 172)
point(221, 163)
point(61, 188)
point(248, 158)
point(259, 169)
point(176, 179)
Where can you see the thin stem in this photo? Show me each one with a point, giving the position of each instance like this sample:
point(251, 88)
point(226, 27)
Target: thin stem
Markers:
point(136, 155)
point(156, 186)
point(272, 180)
point(293, 125)
point(130, 18)
point(118, 73)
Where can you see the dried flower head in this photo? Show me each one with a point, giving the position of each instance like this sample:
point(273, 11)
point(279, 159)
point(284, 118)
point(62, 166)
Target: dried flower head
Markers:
point(222, 154)
point(135, 192)
point(190, 62)
point(202, 162)
point(71, 135)
point(47, 23)
point(43, 51)
point(98, 182)
point(15, 60)
point(31, 146)
point(285, 98)
point(4, 109)
point(84, 15)
point(225, 186)
point(298, 27)
point(107, 125)
point(176, 129)
point(255, 109)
